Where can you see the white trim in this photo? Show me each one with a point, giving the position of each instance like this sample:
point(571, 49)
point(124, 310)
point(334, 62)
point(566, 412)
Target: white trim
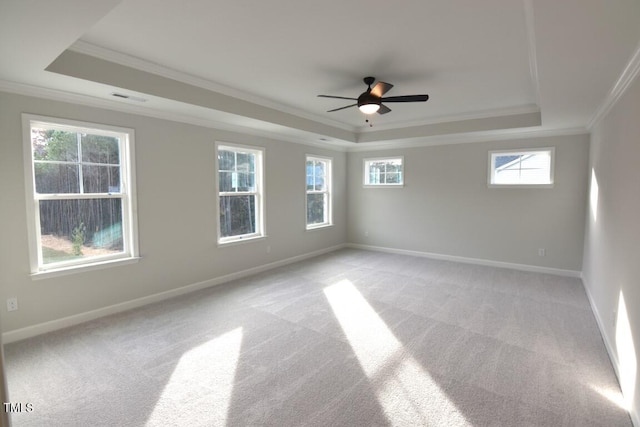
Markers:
point(147, 111)
point(81, 268)
point(329, 191)
point(608, 343)
point(332, 144)
point(260, 192)
point(467, 260)
point(473, 115)
point(120, 58)
point(529, 18)
point(491, 171)
point(465, 138)
point(53, 325)
point(627, 77)
point(127, 195)
point(365, 172)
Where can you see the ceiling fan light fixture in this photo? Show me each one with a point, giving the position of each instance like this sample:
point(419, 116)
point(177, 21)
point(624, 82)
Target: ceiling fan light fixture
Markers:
point(369, 108)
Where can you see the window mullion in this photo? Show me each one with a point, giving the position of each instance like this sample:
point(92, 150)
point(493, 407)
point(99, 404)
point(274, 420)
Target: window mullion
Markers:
point(80, 172)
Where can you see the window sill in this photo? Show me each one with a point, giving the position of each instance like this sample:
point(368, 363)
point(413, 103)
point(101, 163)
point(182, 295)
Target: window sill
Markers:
point(383, 185)
point(318, 227)
point(520, 185)
point(240, 241)
point(65, 271)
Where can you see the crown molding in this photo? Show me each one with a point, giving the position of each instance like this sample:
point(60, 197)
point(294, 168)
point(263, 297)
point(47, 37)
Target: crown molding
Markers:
point(466, 138)
point(486, 114)
point(144, 110)
point(627, 77)
point(119, 58)
point(529, 18)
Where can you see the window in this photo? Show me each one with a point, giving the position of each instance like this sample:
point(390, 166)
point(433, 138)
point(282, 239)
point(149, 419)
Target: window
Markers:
point(80, 193)
point(318, 192)
point(240, 193)
point(384, 172)
point(521, 168)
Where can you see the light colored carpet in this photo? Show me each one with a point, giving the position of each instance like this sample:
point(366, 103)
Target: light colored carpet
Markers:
point(352, 338)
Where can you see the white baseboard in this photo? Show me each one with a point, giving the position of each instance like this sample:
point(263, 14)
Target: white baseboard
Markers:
point(53, 325)
point(466, 260)
point(608, 343)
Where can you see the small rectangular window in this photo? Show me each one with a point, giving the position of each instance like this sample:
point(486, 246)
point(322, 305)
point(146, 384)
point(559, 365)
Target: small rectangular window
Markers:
point(382, 172)
point(318, 203)
point(81, 204)
point(240, 193)
point(521, 168)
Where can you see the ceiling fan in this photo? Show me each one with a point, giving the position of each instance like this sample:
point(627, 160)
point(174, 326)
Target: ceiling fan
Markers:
point(370, 101)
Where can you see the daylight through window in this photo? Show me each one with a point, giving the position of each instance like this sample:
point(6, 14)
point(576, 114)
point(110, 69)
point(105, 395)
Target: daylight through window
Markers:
point(384, 172)
point(81, 193)
point(318, 192)
point(239, 193)
point(526, 167)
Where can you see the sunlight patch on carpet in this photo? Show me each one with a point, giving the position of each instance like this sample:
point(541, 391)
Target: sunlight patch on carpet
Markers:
point(407, 393)
point(201, 385)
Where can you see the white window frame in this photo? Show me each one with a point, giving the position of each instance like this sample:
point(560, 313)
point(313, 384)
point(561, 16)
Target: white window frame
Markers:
point(366, 164)
point(127, 195)
point(520, 152)
point(328, 192)
point(259, 152)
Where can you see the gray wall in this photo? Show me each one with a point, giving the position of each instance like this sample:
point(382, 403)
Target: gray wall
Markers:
point(447, 208)
point(611, 271)
point(176, 214)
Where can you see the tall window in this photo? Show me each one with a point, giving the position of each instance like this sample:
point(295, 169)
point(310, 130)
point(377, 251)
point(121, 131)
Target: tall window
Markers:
point(81, 204)
point(240, 193)
point(387, 172)
point(318, 192)
point(521, 168)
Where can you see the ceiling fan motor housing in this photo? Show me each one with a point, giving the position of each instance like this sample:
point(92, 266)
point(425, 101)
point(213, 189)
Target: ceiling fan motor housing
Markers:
point(368, 98)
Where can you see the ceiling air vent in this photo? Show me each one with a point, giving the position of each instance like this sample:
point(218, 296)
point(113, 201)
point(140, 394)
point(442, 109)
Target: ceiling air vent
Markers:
point(129, 97)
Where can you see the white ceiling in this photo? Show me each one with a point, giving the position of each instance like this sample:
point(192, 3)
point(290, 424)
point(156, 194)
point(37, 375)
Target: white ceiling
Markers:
point(259, 66)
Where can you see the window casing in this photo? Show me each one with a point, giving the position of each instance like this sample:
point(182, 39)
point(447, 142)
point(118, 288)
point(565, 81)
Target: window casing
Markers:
point(521, 168)
point(240, 193)
point(318, 199)
point(384, 172)
point(80, 186)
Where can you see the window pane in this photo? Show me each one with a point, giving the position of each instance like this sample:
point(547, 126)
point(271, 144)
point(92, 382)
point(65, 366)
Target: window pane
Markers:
point(79, 229)
point(316, 208)
point(504, 160)
point(507, 176)
point(54, 145)
point(54, 178)
point(310, 175)
point(226, 160)
point(245, 182)
point(392, 178)
point(525, 168)
point(237, 215)
point(100, 149)
point(226, 181)
point(243, 162)
point(101, 179)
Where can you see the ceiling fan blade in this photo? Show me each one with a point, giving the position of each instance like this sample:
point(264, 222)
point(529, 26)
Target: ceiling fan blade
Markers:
point(383, 109)
point(341, 108)
point(406, 98)
point(381, 88)
point(336, 97)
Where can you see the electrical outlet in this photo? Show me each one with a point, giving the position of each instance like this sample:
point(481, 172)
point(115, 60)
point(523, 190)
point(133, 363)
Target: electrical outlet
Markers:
point(366, 234)
point(269, 249)
point(12, 304)
point(542, 252)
